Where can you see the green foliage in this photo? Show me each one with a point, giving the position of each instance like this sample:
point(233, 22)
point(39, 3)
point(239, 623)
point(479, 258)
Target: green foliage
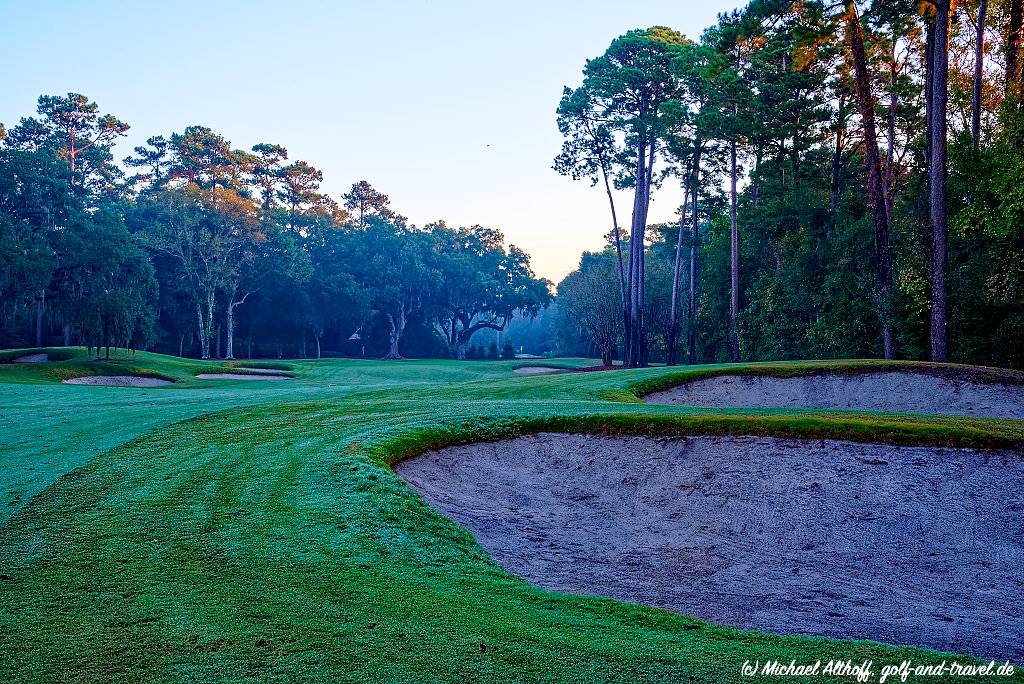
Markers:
point(232, 242)
point(773, 80)
point(590, 301)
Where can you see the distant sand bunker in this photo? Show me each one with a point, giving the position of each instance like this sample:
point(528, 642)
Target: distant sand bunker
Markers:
point(239, 376)
point(265, 371)
point(536, 370)
point(119, 381)
point(32, 358)
point(906, 545)
point(902, 392)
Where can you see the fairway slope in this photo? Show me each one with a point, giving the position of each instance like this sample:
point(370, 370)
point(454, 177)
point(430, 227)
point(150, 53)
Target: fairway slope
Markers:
point(891, 391)
point(904, 545)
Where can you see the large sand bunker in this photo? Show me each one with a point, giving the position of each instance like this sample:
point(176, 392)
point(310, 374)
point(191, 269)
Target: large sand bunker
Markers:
point(906, 545)
point(119, 381)
point(240, 376)
point(894, 391)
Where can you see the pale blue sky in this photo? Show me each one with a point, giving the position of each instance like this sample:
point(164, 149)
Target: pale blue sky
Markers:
point(407, 95)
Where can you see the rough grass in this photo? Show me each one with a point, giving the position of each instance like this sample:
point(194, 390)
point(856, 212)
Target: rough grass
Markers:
point(220, 532)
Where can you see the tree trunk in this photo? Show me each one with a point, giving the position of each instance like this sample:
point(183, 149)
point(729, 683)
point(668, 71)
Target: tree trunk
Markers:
point(67, 334)
point(460, 348)
point(673, 326)
point(734, 260)
point(395, 330)
point(691, 304)
point(318, 344)
point(929, 71)
point(642, 283)
point(204, 321)
point(1013, 80)
point(204, 341)
point(937, 178)
point(636, 255)
point(875, 186)
point(232, 303)
point(755, 191)
point(837, 155)
point(229, 325)
point(40, 310)
point(617, 234)
point(979, 65)
point(889, 175)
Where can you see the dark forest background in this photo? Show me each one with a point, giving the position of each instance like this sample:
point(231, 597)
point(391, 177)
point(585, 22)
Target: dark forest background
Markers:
point(850, 179)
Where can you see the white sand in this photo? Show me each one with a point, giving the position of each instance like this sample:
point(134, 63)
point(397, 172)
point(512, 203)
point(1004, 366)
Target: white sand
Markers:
point(239, 376)
point(898, 392)
point(906, 545)
point(32, 358)
point(536, 370)
point(119, 381)
point(264, 371)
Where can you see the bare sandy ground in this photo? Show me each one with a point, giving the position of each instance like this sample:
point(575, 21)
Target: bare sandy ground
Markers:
point(536, 370)
point(905, 545)
point(32, 358)
point(898, 392)
point(265, 371)
point(119, 381)
point(239, 376)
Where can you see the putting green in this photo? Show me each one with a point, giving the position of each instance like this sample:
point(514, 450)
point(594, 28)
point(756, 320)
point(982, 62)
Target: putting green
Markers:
point(254, 531)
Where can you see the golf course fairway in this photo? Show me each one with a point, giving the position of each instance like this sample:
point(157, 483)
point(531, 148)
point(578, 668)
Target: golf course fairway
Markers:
point(228, 530)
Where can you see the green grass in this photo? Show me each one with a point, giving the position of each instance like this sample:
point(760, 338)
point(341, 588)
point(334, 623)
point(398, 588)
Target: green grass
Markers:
point(250, 531)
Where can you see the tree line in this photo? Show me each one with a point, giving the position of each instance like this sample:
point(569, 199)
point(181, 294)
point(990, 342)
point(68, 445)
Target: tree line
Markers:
point(847, 176)
point(196, 247)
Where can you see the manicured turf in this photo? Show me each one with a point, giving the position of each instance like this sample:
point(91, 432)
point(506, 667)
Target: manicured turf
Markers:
point(246, 531)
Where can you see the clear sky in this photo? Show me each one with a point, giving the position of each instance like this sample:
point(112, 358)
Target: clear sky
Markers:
point(447, 107)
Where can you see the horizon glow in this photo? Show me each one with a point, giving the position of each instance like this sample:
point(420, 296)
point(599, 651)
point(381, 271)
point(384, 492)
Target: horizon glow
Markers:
point(448, 108)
